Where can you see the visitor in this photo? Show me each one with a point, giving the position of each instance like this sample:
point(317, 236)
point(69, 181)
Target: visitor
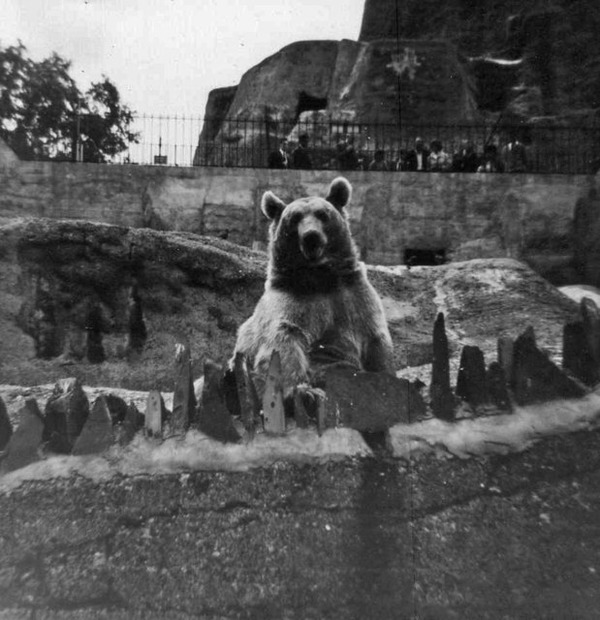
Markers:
point(514, 156)
point(490, 162)
point(417, 159)
point(347, 158)
point(279, 158)
point(439, 160)
point(378, 163)
point(300, 157)
point(465, 159)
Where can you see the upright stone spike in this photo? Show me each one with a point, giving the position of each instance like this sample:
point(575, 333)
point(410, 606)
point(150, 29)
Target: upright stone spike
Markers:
point(184, 400)
point(24, 445)
point(273, 411)
point(471, 383)
point(591, 325)
point(300, 413)
point(442, 399)
point(132, 423)
point(97, 433)
point(6, 429)
point(536, 378)
point(497, 387)
point(505, 355)
point(66, 411)
point(578, 359)
point(154, 414)
point(246, 393)
point(214, 418)
point(321, 415)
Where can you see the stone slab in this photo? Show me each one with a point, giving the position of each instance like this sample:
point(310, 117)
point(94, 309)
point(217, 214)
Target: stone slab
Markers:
point(497, 386)
point(536, 378)
point(184, 400)
point(6, 429)
point(246, 394)
point(273, 410)
point(154, 414)
point(65, 414)
point(578, 357)
point(214, 418)
point(24, 446)
point(369, 401)
point(471, 380)
point(442, 399)
point(97, 433)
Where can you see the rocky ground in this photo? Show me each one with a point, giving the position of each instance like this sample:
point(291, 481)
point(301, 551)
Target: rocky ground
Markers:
point(61, 280)
point(513, 536)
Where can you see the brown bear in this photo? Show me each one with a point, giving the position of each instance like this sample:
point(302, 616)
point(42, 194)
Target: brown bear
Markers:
point(318, 307)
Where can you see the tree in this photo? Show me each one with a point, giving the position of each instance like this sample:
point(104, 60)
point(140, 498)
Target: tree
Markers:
point(44, 115)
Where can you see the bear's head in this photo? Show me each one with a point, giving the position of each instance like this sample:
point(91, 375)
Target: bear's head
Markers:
point(311, 247)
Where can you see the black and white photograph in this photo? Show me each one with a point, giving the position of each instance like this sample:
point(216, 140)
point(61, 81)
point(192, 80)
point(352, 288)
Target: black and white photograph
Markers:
point(300, 310)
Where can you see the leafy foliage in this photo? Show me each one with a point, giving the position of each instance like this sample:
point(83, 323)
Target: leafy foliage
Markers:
point(44, 115)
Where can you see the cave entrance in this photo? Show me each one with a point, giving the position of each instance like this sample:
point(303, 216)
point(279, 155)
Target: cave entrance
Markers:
point(308, 103)
point(415, 256)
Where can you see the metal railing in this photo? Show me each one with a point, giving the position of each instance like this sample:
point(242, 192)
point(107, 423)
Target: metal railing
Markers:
point(163, 140)
point(344, 145)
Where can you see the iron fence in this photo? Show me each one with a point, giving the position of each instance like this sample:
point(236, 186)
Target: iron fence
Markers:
point(344, 145)
point(163, 140)
point(340, 144)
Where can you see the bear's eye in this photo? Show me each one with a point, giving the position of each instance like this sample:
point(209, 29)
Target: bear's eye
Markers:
point(295, 219)
point(322, 215)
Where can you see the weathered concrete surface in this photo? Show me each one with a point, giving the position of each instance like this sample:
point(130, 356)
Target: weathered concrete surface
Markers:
point(524, 216)
point(506, 537)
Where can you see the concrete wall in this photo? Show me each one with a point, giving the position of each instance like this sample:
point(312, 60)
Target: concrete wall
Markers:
point(465, 215)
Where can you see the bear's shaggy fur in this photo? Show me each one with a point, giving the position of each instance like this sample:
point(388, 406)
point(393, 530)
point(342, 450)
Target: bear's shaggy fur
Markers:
point(318, 307)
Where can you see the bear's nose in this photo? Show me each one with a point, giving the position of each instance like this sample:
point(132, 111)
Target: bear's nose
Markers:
point(312, 243)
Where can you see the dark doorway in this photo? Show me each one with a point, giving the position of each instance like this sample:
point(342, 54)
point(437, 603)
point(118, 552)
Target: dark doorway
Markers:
point(307, 103)
point(413, 256)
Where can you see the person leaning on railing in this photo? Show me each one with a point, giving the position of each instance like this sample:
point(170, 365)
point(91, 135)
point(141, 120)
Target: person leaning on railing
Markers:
point(279, 159)
point(346, 157)
point(439, 160)
point(417, 159)
point(465, 159)
point(378, 163)
point(300, 157)
point(514, 156)
point(490, 162)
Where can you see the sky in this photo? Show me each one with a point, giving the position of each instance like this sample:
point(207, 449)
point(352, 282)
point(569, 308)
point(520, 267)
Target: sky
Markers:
point(166, 55)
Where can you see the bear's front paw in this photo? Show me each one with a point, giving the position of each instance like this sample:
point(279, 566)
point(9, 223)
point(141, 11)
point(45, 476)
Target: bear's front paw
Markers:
point(307, 400)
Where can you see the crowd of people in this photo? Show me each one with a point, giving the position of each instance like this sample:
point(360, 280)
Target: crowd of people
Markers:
point(512, 157)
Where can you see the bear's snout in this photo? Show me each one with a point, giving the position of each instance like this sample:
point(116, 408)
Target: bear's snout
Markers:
point(312, 244)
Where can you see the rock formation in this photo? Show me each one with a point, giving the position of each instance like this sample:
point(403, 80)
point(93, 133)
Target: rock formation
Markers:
point(200, 290)
point(418, 62)
point(353, 82)
point(553, 41)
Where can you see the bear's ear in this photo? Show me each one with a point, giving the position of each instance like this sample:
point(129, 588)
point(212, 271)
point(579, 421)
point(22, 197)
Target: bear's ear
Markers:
point(271, 206)
point(339, 193)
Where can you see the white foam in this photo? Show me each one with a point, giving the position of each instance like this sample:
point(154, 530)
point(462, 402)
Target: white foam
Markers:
point(496, 434)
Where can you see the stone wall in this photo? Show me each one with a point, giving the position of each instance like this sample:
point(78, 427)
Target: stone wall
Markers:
point(456, 216)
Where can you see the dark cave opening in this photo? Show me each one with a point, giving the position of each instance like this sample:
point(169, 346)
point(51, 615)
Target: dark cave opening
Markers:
point(416, 256)
point(307, 103)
